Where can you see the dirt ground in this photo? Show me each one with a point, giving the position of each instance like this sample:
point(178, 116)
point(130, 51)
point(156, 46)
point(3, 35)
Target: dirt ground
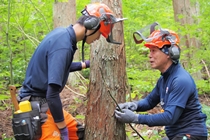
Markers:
point(72, 102)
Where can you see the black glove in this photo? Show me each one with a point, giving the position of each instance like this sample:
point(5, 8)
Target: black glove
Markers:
point(126, 116)
point(129, 105)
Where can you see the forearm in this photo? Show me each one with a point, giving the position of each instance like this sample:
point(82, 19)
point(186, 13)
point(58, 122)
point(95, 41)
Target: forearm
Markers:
point(77, 66)
point(154, 119)
point(55, 105)
point(169, 117)
point(149, 102)
point(144, 105)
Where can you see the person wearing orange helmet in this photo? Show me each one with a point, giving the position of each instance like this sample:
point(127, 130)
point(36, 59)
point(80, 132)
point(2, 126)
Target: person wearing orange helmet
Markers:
point(175, 90)
point(51, 63)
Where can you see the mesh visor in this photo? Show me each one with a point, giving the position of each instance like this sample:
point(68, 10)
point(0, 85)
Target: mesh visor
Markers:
point(144, 33)
point(112, 20)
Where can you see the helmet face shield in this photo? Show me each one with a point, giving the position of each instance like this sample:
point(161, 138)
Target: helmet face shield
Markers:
point(110, 38)
point(144, 33)
point(154, 35)
point(109, 23)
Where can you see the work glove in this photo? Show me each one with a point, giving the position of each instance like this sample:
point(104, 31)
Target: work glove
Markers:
point(87, 63)
point(128, 105)
point(126, 116)
point(64, 133)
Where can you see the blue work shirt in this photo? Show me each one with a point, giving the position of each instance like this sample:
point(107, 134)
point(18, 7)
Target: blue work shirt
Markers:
point(177, 94)
point(50, 63)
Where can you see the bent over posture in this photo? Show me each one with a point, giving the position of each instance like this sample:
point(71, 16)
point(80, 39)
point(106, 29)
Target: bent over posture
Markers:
point(175, 91)
point(51, 63)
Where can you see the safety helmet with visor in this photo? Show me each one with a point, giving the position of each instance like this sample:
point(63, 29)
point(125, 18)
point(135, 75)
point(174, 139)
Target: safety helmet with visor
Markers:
point(105, 22)
point(154, 35)
point(100, 18)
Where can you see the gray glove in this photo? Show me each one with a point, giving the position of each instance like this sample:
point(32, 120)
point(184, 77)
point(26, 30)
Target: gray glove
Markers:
point(129, 105)
point(126, 116)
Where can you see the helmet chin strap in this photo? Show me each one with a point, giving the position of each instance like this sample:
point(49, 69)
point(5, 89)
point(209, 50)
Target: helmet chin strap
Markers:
point(84, 40)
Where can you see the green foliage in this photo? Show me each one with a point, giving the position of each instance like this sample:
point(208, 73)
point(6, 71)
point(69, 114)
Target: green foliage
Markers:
point(80, 117)
point(203, 86)
point(3, 97)
point(141, 81)
point(80, 5)
point(5, 137)
point(206, 110)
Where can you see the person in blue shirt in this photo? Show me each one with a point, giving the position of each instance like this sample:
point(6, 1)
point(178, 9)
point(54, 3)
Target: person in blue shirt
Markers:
point(175, 91)
point(51, 63)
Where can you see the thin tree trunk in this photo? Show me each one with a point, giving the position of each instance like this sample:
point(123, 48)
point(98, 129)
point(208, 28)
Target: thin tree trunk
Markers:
point(8, 44)
point(107, 78)
point(188, 11)
point(64, 14)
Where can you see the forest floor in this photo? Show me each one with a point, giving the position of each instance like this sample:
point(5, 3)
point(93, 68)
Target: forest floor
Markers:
point(74, 103)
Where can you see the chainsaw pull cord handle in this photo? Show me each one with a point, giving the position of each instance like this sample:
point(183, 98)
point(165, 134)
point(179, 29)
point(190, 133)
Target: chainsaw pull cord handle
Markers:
point(122, 111)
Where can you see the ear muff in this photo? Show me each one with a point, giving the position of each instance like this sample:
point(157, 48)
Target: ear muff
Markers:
point(91, 23)
point(174, 52)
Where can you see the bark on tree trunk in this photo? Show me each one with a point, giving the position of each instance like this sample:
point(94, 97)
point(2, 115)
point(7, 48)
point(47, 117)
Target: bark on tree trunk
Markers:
point(188, 9)
point(64, 14)
point(107, 76)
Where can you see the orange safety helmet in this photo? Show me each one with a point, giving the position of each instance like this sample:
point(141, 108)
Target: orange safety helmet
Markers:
point(159, 38)
point(105, 16)
point(99, 10)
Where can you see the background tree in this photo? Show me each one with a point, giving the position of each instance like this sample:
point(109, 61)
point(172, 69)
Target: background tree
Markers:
point(64, 14)
point(185, 12)
point(107, 78)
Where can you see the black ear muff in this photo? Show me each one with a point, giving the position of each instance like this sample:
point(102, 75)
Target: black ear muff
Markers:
point(174, 52)
point(91, 23)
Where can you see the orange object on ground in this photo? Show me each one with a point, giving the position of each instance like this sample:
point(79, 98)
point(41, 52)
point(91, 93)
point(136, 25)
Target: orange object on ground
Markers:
point(51, 132)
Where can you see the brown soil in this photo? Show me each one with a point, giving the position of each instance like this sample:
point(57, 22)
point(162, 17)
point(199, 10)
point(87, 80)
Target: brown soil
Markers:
point(72, 102)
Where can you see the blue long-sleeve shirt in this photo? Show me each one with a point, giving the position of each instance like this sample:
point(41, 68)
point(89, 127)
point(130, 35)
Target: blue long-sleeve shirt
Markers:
point(49, 68)
point(177, 94)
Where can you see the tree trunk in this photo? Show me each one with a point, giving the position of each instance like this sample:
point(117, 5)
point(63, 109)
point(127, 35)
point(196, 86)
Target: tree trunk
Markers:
point(107, 76)
point(64, 14)
point(188, 10)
